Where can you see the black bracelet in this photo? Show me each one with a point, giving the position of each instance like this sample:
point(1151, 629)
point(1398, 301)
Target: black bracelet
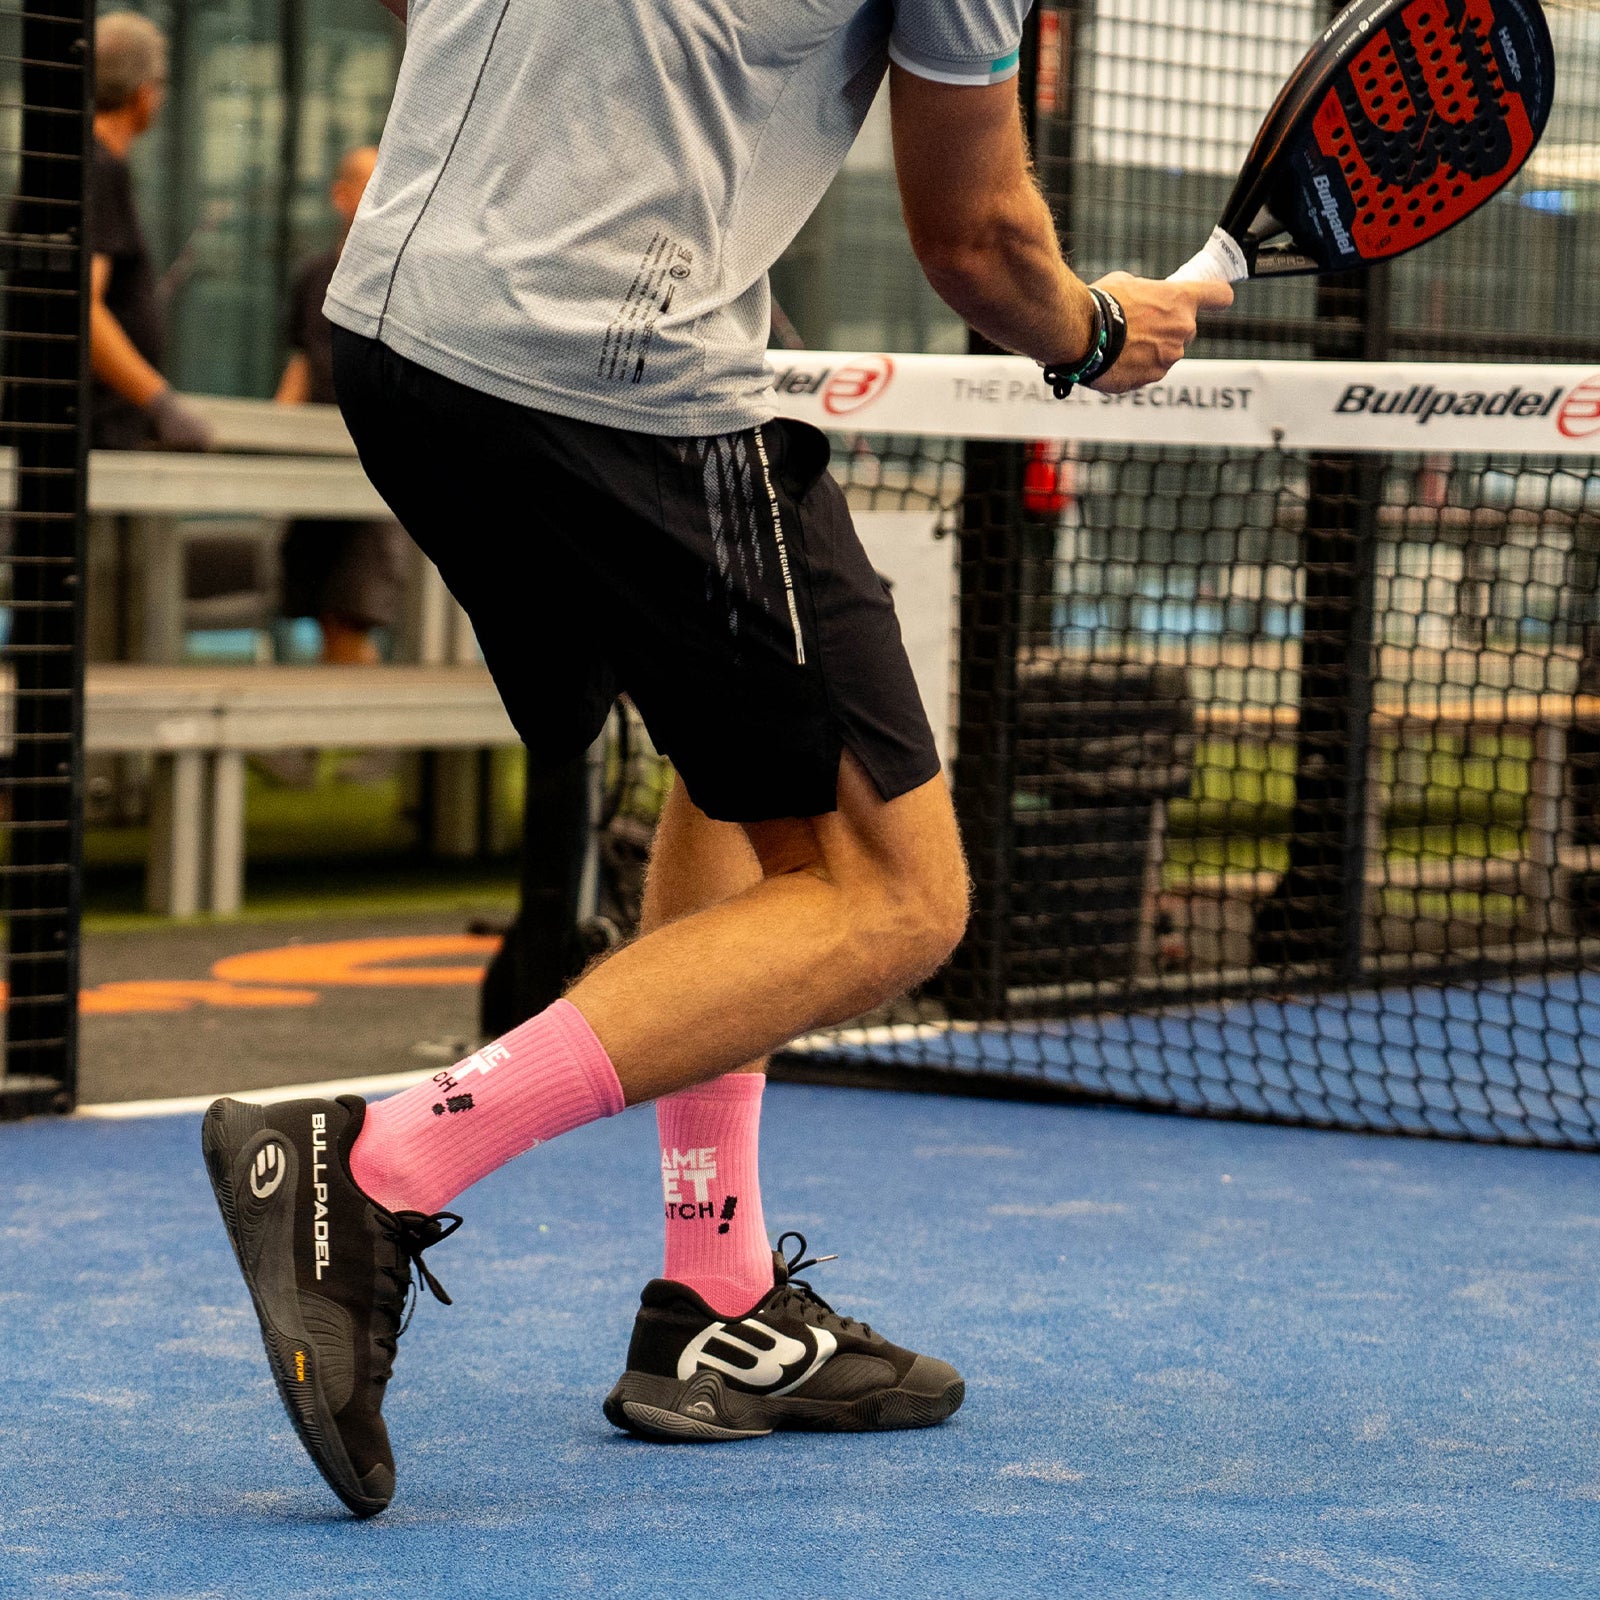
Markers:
point(1064, 379)
point(1105, 345)
point(1116, 329)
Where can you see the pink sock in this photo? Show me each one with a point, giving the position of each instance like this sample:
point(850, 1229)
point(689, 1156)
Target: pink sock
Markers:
point(716, 1236)
point(419, 1149)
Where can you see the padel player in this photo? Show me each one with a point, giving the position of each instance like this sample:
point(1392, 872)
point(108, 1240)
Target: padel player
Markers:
point(549, 328)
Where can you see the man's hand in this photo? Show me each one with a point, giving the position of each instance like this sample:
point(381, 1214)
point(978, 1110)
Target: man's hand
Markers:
point(1161, 325)
point(176, 424)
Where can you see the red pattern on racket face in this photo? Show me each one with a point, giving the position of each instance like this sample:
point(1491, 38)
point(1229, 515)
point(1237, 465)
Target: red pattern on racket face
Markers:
point(1421, 127)
point(1406, 117)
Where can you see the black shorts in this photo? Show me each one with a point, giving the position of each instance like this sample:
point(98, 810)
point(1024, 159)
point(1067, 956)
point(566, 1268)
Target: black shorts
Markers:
point(717, 581)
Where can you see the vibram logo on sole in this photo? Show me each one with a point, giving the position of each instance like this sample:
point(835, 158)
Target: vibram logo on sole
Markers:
point(300, 1366)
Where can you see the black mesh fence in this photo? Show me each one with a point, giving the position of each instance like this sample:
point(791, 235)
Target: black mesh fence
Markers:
point(1279, 774)
point(45, 64)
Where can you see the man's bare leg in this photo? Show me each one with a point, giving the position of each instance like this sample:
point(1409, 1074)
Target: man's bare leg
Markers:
point(853, 907)
point(695, 863)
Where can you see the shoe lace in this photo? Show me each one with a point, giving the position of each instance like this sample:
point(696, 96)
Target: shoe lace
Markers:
point(801, 1292)
point(410, 1232)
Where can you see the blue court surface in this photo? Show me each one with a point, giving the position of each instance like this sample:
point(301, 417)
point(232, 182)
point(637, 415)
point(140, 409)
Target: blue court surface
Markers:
point(1203, 1359)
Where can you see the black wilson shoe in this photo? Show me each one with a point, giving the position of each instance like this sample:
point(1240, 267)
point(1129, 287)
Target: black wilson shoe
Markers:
point(789, 1362)
point(329, 1271)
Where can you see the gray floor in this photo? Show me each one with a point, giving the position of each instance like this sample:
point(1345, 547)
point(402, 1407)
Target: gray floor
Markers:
point(207, 1049)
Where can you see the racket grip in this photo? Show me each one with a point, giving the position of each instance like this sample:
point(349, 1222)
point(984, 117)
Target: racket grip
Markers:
point(1221, 261)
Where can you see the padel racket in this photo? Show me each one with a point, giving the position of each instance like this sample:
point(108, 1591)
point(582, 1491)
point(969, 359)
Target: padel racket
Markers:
point(1403, 119)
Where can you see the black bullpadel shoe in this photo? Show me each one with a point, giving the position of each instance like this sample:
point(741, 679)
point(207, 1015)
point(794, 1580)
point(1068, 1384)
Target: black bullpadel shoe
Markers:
point(790, 1362)
point(330, 1272)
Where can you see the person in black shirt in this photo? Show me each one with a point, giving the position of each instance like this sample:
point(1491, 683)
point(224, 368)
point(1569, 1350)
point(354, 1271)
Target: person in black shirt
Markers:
point(348, 575)
point(133, 406)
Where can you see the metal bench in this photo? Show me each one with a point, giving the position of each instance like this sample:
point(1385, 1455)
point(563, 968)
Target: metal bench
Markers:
point(198, 723)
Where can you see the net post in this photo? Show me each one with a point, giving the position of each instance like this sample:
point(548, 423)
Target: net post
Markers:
point(990, 608)
point(46, 371)
point(1316, 917)
point(992, 551)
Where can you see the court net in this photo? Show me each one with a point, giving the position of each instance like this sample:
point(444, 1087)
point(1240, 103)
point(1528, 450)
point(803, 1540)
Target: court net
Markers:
point(1274, 730)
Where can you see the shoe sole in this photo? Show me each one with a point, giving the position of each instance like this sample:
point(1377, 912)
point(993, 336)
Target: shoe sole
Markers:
point(229, 1125)
point(704, 1410)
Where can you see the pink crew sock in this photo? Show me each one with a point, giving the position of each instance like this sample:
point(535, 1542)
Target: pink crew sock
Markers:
point(419, 1149)
point(716, 1236)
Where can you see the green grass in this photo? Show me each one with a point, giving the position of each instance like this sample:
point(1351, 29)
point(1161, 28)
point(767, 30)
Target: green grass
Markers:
point(336, 847)
point(293, 891)
point(1246, 788)
point(350, 848)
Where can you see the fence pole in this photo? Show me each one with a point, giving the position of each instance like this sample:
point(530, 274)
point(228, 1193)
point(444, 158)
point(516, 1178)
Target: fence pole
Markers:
point(46, 343)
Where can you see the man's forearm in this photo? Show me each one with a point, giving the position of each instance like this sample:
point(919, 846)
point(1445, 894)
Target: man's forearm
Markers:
point(294, 387)
point(1009, 281)
point(117, 362)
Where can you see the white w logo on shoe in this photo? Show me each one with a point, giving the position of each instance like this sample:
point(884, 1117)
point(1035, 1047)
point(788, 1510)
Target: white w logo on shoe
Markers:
point(267, 1171)
point(761, 1356)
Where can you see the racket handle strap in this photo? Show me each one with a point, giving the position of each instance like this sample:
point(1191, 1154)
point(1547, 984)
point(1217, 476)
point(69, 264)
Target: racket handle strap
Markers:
point(1221, 261)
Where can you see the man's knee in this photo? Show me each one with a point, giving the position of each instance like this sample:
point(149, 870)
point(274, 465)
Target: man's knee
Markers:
point(906, 926)
point(938, 916)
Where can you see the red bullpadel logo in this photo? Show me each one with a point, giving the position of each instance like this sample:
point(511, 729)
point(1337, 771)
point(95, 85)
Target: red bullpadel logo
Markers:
point(856, 385)
point(1579, 416)
point(840, 389)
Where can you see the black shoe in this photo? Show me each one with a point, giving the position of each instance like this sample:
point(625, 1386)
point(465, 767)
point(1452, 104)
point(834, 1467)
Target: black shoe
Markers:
point(790, 1362)
point(330, 1274)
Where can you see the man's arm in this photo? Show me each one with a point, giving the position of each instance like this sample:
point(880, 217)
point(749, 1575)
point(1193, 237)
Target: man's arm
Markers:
point(397, 7)
point(115, 360)
point(985, 238)
point(294, 387)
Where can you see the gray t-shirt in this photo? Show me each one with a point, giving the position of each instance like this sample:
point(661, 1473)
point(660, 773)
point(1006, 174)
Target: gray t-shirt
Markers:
point(576, 204)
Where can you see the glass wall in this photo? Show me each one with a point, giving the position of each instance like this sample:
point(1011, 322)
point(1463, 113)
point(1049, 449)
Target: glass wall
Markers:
point(226, 228)
point(232, 190)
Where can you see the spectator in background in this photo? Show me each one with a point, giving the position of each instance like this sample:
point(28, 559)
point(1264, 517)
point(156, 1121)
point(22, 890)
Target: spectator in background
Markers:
point(133, 406)
point(350, 576)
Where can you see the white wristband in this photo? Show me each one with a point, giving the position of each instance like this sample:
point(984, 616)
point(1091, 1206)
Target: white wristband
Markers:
point(1221, 261)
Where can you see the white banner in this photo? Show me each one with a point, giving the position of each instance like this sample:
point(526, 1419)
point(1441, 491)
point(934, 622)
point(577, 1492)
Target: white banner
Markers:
point(1512, 407)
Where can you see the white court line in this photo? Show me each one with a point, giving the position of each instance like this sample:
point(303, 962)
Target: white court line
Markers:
point(386, 1083)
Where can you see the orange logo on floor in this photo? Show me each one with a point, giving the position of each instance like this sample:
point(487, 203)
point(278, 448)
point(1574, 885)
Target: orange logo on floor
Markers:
point(284, 977)
point(362, 963)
